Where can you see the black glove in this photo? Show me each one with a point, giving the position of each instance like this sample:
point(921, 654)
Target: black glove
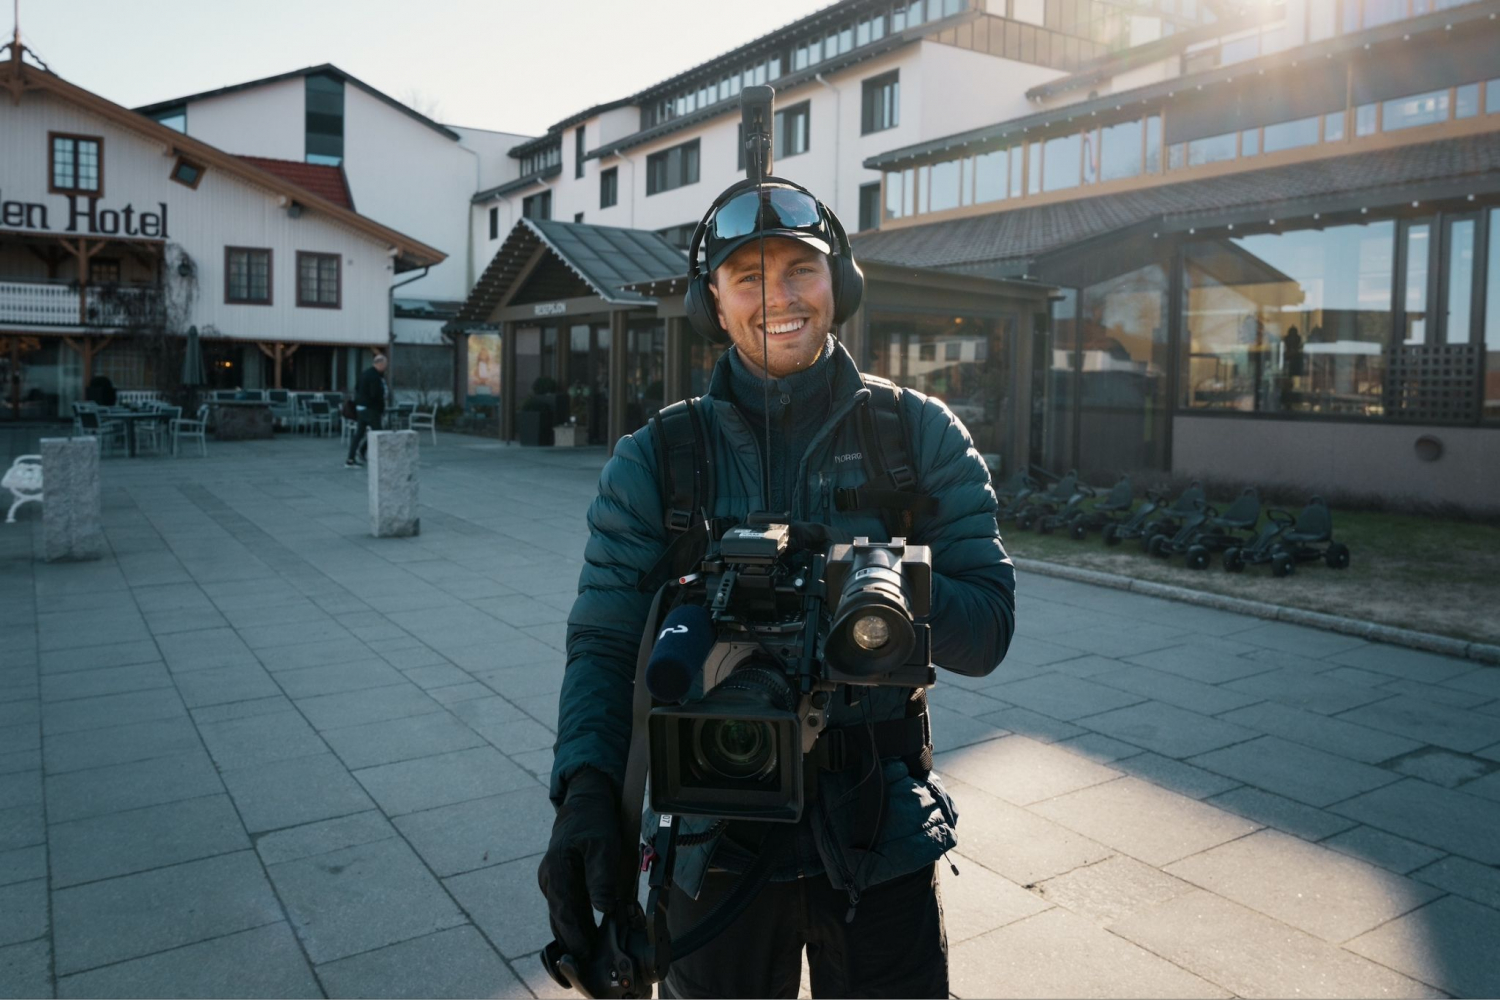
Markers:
point(582, 863)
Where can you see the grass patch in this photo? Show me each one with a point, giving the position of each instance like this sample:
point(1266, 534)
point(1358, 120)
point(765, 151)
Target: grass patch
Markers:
point(1407, 570)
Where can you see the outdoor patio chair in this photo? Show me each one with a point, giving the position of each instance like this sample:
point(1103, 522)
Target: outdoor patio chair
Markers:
point(109, 432)
point(424, 420)
point(24, 480)
point(347, 429)
point(192, 429)
point(319, 417)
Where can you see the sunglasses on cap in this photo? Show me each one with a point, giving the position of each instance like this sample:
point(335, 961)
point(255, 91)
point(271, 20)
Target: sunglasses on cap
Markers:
point(770, 211)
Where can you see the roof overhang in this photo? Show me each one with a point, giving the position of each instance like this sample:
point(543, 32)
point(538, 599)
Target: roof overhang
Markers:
point(519, 184)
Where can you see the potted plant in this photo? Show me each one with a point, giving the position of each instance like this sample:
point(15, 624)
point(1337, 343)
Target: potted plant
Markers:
point(534, 425)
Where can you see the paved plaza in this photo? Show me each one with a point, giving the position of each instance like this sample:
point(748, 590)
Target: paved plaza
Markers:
point(256, 752)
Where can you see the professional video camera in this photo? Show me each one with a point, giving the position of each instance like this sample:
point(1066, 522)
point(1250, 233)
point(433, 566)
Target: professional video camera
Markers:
point(774, 626)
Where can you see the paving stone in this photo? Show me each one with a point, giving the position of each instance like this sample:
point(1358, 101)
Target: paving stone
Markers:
point(1112, 889)
point(107, 680)
point(1253, 955)
point(119, 744)
point(1207, 660)
point(1407, 810)
point(1483, 681)
point(122, 918)
point(1021, 770)
point(1449, 943)
point(977, 901)
point(504, 903)
point(357, 708)
point(255, 740)
point(504, 725)
point(1143, 821)
point(101, 790)
point(1301, 688)
point(1016, 843)
point(26, 970)
point(323, 837)
point(1384, 849)
point(451, 963)
point(401, 739)
point(1063, 697)
point(340, 902)
point(1488, 786)
point(538, 762)
point(1169, 731)
point(440, 780)
point(1297, 772)
point(1059, 954)
point(1323, 892)
point(204, 650)
point(222, 685)
point(1099, 749)
point(543, 708)
point(1443, 767)
point(439, 675)
point(292, 792)
point(111, 710)
point(1299, 639)
point(21, 760)
point(14, 739)
point(23, 911)
point(1282, 813)
point(1174, 775)
point(1425, 722)
point(120, 843)
point(1158, 685)
point(23, 864)
point(241, 709)
point(293, 633)
point(1334, 736)
point(410, 657)
point(475, 834)
point(263, 962)
point(456, 693)
point(20, 788)
point(1400, 661)
point(1437, 693)
point(1090, 666)
point(1028, 651)
point(338, 677)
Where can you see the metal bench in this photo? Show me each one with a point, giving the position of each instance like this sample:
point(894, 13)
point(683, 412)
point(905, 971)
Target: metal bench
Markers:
point(24, 480)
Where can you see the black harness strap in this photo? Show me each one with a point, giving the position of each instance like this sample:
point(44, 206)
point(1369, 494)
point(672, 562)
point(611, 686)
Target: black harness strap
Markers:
point(891, 485)
point(685, 473)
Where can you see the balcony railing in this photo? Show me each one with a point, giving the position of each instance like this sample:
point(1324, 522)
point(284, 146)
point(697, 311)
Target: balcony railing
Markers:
point(33, 303)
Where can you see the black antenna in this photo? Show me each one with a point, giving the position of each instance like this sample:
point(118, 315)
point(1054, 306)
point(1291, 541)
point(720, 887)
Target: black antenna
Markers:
point(757, 112)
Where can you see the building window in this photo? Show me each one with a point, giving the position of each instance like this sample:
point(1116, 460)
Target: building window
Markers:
point(793, 130)
point(187, 173)
point(104, 271)
point(537, 206)
point(672, 168)
point(247, 276)
point(577, 216)
point(869, 206)
point(1492, 320)
point(578, 151)
point(609, 187)
point(541, 159)
point(318, 280)
point(495, 223)
point(76, 164)
point(679, 236)
point(325, 119)
point(880, 103)
point(174, 118)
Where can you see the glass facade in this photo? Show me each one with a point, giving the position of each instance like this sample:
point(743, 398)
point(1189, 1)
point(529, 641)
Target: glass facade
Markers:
point(1491, 391)
point(645, 372)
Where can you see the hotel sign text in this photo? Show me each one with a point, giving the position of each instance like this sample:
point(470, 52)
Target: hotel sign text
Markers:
point(85, 216)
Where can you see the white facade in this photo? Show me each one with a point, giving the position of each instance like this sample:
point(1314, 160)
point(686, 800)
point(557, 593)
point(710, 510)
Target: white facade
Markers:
point(158, 227)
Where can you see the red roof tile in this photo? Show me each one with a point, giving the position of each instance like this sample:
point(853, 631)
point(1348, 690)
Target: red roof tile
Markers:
point(323, 181)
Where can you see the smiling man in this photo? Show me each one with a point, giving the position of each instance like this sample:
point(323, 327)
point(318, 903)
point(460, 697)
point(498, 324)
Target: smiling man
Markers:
point(790, 426)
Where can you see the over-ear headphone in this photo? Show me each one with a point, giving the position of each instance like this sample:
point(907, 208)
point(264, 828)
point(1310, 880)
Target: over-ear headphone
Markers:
point(698, 302)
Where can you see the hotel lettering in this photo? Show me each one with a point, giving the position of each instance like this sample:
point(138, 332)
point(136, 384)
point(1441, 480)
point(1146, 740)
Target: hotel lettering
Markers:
point(86, 216)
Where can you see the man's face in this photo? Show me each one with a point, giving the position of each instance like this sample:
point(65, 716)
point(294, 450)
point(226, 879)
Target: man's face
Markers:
point(798, 300)
point(380, 364)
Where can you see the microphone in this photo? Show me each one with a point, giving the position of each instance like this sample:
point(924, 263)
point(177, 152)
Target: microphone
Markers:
point(681, 646)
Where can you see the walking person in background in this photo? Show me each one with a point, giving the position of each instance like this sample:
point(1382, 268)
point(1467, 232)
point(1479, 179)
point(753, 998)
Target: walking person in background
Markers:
point(369, 405)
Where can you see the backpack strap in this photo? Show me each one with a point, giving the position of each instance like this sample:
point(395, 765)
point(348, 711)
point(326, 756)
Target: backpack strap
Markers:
point(891, 478)
point(683, 465)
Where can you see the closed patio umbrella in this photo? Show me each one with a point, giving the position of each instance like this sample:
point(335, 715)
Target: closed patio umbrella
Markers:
point(192, 369)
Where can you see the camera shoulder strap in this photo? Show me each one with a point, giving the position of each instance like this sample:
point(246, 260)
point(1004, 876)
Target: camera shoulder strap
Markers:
point(891, 478)
point(684, 468)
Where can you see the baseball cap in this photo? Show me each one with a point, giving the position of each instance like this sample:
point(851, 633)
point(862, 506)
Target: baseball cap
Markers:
point(768, 210)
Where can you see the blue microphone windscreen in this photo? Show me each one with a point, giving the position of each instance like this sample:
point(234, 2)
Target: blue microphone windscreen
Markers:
point(682, 643)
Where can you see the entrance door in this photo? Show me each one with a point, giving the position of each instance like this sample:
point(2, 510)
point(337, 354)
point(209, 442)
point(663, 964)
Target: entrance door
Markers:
point(588, 378)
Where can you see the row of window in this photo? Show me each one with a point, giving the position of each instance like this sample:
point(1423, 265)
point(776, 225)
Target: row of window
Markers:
point(804, 54)
point(1132, 148)
point(248, 278)
point(538, 160)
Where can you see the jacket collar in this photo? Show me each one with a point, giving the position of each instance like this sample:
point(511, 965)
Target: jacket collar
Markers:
point(846, 378)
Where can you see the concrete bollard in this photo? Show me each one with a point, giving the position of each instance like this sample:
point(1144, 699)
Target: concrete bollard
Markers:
point(71, 525)
point(393, 484)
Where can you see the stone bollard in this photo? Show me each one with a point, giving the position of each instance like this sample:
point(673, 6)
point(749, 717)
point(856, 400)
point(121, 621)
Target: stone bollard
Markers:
point(393, 484)
point(71, 527)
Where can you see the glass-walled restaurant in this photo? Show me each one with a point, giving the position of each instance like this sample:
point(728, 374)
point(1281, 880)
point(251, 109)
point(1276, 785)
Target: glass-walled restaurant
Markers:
point(1373, 318)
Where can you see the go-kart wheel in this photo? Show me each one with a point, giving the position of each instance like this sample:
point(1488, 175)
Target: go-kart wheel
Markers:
point(1079, 531)
point(1337, 556)
point(1197, 557)
point(1234, 562)
point(1152, 530)
point(1110, 534)
point(1158, 547)
point(1282, 564)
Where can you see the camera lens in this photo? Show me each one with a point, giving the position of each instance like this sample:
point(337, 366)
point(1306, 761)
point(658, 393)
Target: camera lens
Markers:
point(871, 632)
point(735, 748)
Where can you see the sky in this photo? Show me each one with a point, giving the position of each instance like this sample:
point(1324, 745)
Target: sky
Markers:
point(507, 65)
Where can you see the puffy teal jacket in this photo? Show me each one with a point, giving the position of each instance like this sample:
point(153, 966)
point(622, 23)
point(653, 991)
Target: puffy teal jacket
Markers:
point(973, 607)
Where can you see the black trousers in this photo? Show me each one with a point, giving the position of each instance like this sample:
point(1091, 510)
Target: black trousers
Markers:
point(895, 946)
point(366, 424)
